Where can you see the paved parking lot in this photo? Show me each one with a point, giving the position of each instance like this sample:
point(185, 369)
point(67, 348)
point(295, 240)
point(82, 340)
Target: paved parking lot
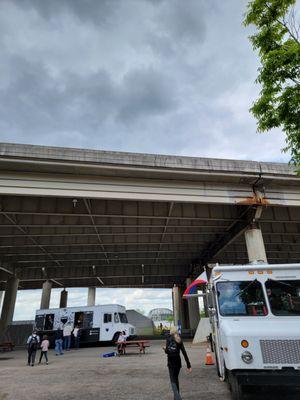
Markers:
point(84, 374)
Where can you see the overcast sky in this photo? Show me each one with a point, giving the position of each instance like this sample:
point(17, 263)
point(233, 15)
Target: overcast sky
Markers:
point(155, 76)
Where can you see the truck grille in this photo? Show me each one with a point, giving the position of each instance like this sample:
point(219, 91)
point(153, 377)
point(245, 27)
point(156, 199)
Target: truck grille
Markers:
point(280, 351)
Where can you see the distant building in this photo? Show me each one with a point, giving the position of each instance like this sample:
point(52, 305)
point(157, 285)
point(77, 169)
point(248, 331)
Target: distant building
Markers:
point(161, 316)
point(144, 326)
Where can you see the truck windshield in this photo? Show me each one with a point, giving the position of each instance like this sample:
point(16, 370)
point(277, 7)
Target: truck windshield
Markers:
point(241, 298)
point(284, 297)
point(123, 318)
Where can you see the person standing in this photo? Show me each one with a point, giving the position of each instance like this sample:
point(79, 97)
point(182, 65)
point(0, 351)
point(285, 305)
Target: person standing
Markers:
point(58, 342)
point(32, 346)
point(67, 332)
point(174, 346)
point(44, 349)
point(76, 334)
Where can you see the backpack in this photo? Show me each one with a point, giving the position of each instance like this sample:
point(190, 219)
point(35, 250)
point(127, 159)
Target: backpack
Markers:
point(33, 344)
point(172, 347)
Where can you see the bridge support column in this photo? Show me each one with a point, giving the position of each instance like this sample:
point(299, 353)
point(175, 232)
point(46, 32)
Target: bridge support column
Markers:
point(193, 308)
point(9, 302)
point(46, 295)
point(63, 299)
point(91, 296)
point(178, 307)
point(1, 296)
point(255, 245)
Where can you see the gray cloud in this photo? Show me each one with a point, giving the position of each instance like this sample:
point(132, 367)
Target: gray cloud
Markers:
point(146, 92)
point(138, 75)
point(95, 11)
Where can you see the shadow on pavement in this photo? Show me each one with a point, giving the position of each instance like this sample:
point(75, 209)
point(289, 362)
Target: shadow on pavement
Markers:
point(272, 393)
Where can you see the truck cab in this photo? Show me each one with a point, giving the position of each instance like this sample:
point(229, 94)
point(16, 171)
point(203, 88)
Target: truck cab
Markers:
point(254, 312)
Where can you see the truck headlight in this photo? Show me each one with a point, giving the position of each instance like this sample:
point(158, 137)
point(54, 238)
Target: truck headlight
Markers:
point(247, 357)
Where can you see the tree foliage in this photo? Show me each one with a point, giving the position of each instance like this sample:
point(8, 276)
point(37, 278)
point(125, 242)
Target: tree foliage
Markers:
point(277, 41)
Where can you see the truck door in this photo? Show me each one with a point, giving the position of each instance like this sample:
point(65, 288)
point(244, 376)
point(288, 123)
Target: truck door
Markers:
point(214, 320)
point(107, 331)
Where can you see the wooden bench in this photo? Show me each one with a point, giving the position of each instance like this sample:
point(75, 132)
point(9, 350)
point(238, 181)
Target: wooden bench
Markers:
point(140, 344)
point(6, 346)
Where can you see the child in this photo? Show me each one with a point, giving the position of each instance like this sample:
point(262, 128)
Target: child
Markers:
point(44, 349)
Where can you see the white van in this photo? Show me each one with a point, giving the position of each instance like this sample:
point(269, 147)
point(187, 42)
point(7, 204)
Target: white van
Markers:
point(98, 323)
point(255, 317)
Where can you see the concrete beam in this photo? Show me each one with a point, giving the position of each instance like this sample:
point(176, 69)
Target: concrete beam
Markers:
point(46, 295)
point(91, 296)
point(103, 271)
point(81, 173)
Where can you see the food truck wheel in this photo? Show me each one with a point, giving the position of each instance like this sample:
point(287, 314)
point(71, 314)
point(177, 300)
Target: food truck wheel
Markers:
point(235, 387)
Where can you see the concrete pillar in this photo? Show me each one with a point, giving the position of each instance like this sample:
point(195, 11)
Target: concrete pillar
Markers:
point(9, 302)
point(178, 306)
point(1, 296)
point(255, 245)
point(63, 299)
point(91, 296)
point(184, 311)
point(46, 294)
point(193, 308)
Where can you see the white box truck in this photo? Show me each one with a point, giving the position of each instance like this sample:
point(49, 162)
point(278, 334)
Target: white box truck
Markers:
point(98, 323)
point(254, 312)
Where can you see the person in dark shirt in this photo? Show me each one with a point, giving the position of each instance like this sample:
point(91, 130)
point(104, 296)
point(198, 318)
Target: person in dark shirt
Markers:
point(58, 342)
point(173, 347)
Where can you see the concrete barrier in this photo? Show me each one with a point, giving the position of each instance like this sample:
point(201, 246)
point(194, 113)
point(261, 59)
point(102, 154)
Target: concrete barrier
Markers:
point(202, 331)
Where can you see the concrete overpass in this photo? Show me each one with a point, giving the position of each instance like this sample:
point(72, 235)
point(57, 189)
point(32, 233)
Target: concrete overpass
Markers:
point(73, 217)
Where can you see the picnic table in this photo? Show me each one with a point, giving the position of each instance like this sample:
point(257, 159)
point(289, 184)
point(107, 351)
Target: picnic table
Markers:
point(6, 346)
point(140, 344)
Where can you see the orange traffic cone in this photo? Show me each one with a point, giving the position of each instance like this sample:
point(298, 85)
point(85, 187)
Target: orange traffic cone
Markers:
point(209, 359)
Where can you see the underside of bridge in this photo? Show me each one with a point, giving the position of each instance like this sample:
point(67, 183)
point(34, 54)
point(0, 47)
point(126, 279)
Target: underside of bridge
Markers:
point(120, 243)
point(86, 218)
point(93, 218)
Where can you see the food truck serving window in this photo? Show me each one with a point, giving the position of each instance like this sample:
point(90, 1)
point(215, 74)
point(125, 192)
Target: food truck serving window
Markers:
point(241, 298)
point(284, 297)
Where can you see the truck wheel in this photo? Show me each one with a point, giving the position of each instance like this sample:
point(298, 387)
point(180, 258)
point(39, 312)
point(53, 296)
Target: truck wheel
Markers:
point(235, 387)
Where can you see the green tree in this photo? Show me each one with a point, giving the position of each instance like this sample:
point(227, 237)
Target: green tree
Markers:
point(170, 319)
point(277, 41)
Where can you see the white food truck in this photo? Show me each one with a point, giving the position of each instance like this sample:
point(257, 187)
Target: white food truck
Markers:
point(98, 323)
point(254, 312)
